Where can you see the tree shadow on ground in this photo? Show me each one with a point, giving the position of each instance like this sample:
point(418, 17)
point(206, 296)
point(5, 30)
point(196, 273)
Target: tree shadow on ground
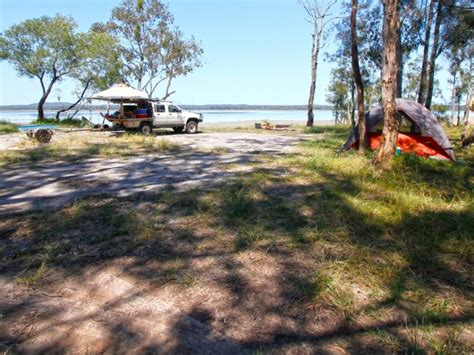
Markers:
point(246, 266)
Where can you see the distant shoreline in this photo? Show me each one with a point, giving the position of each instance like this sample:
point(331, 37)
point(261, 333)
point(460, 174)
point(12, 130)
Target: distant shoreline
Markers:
point(222, 107)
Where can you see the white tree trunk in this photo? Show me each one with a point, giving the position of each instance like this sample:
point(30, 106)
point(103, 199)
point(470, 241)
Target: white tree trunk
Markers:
point(453, 99)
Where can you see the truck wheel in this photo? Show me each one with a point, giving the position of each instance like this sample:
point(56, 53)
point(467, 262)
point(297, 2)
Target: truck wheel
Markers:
point(178, 129)
point(145, 129)
point(191, 127)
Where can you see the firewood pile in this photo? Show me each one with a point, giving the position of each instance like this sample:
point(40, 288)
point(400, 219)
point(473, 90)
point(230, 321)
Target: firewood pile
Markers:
point(268, 126)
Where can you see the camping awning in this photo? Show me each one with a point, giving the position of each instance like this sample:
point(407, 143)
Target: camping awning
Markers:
point(120, 92)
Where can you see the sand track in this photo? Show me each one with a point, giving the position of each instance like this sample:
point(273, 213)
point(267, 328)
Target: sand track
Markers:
point(200, 163)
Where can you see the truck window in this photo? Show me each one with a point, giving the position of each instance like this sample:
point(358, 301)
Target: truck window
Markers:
point(173, 108)
point(160, 108)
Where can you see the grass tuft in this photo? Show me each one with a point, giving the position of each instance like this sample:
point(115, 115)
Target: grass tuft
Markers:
point(76, 146)
point(7, 127)
point(65, 122)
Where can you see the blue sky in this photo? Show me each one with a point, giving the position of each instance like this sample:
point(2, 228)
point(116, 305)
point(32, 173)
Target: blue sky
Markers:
point(255, 51)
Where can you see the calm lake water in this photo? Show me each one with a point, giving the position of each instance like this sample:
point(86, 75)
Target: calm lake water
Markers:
point(210, 116)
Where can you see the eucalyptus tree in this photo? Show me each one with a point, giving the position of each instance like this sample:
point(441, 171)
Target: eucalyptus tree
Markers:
point(319, 15)
point(100, 65)
point(457, 36)
point(426, 49)
point(357, 77)
point(411, 78)
point(370, 34)
point(390, 33)
point(151, 48)
point(340, 93)
point(435, 52)
point(411, 20)
point(45, 48)
point(368, 49)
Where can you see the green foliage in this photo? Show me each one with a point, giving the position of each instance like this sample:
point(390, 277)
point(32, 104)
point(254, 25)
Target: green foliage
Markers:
point(460, 53)
point(101, 60)
point(411, 80)
point(7, 127)
point(439, 110)
point(339, 92)
point(459, 29)
point(67, 122)
point(152, 50)
point(369, 29)
point(41, 47)
point(50, 49)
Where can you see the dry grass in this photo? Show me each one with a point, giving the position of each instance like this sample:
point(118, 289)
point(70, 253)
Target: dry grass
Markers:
point(387, 249)
point(81, 145)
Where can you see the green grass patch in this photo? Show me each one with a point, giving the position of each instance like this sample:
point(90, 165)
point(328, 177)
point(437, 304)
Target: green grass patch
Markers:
point(65, 122)
point(34, 277)
point(7, 127)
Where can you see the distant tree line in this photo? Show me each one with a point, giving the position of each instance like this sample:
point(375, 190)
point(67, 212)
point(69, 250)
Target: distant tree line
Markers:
point(238, 107)
point(139, 45)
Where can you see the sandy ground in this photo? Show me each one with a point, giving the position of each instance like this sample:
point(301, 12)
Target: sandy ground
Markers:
point(106, 308)
point(11, 141)
point(194, 295)
point(24, 187)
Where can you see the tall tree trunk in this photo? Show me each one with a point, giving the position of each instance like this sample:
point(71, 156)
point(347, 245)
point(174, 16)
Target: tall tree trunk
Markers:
point(43, 99)
point(75, 103)
point(434, 54)
point(390, 33)
point(348, 114)
point(314, 71)
point(459, 109)
point(40, 106)
point(353, 121)
point(400, 67)
point(358, 78)
point(453, 98)
point(426, 48)
point(467, 107)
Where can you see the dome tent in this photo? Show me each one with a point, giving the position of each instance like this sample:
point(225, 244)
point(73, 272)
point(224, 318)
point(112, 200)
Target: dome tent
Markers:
point(426, 138)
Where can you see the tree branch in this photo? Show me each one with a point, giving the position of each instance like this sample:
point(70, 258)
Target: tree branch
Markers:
point(75, 103)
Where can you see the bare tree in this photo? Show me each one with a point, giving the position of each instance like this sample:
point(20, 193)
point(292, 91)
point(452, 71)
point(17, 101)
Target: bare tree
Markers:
point(358, 77)
point(390, 33)
point(318, 15)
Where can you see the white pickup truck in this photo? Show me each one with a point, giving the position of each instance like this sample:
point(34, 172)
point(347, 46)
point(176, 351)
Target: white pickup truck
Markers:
point(146, 115)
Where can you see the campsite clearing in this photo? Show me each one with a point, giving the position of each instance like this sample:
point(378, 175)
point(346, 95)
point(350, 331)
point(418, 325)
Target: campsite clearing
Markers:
point(278, 244)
